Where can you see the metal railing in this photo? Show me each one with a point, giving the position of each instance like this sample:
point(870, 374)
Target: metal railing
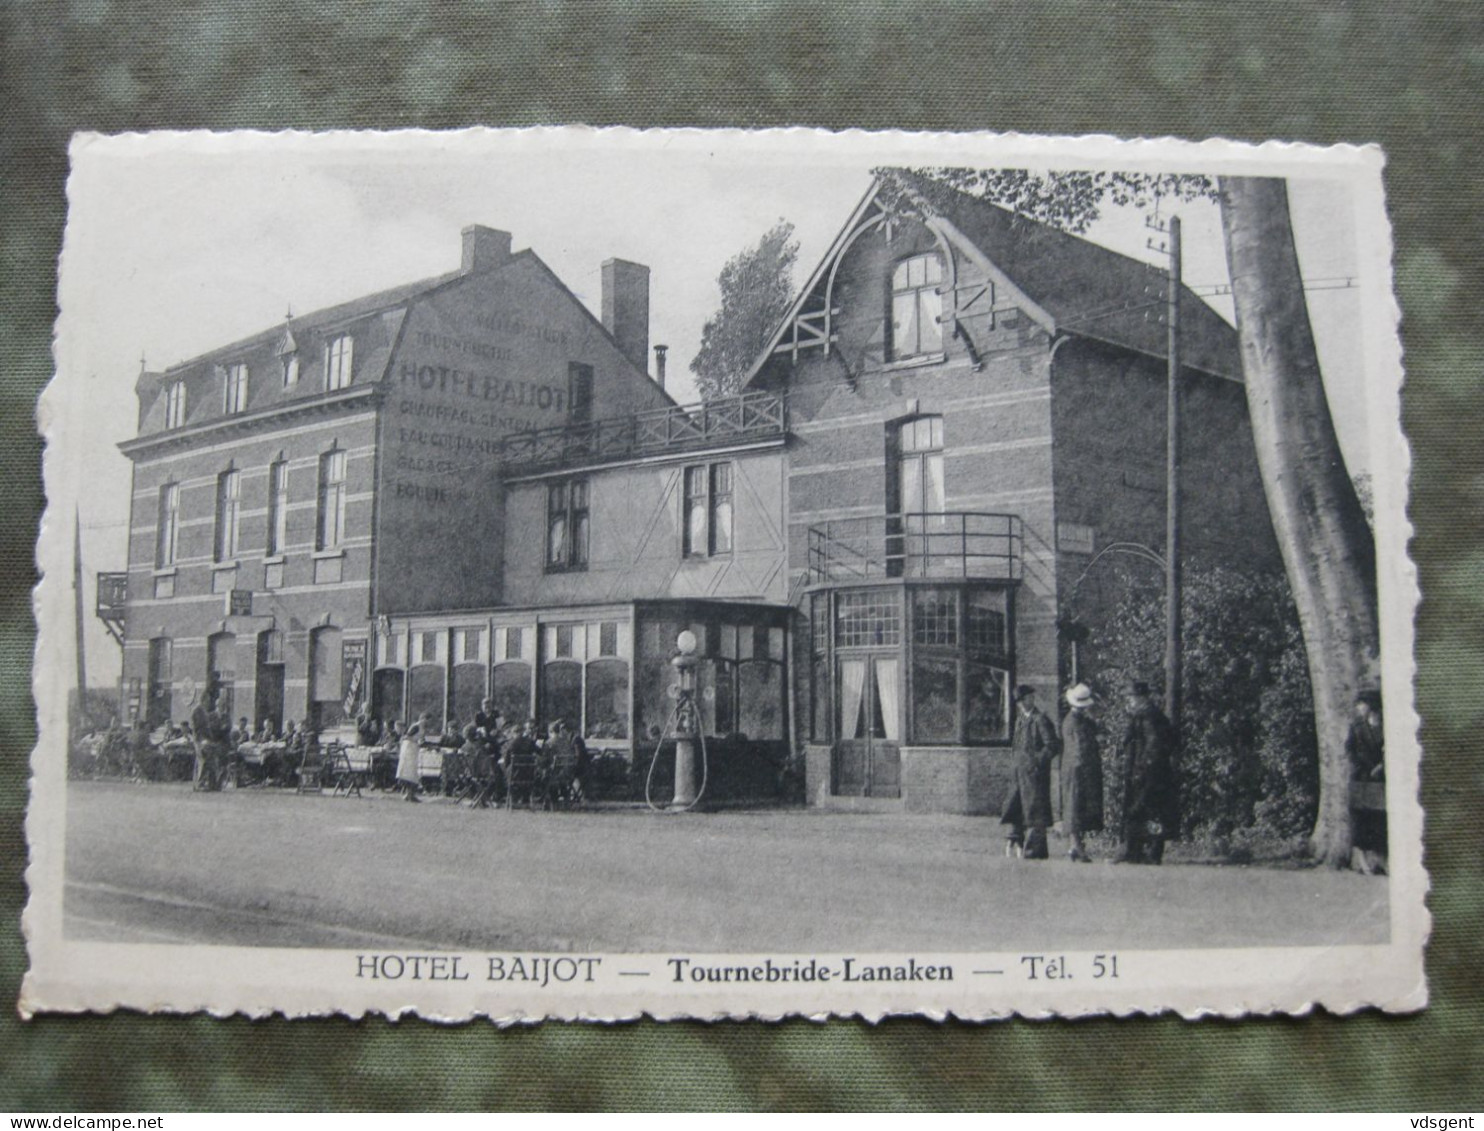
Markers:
point(738, 419)
point(113, 594)
point(951, 544)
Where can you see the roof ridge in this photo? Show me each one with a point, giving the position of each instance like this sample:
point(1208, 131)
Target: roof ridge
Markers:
point(361, 306)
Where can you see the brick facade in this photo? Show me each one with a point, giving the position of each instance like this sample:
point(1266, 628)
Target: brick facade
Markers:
point(1045, 389)
point(929, 455)
point(385, 413)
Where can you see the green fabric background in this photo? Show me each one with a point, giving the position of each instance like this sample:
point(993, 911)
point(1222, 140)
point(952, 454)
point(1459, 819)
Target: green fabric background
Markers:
point(1409, 75)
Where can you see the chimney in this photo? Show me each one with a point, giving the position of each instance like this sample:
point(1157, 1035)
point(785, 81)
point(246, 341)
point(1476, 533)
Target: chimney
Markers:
point(626, 308)
point(484, 249)
point(659, 366)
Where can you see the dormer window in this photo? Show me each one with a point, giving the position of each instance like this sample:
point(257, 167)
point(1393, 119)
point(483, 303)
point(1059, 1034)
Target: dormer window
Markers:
point(175, 404)
point(338, 362)
point(288, 358)
point(916, 307)
point(234, 397)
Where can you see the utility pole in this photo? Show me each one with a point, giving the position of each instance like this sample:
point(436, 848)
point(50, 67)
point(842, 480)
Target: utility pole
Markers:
point(1173, 658)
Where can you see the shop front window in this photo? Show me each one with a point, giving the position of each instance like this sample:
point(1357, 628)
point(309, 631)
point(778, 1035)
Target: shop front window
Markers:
point(934, 662)
point(760, 699)
point(511, 690)
point(607, 699)
point(868, 618)
point(561, 693)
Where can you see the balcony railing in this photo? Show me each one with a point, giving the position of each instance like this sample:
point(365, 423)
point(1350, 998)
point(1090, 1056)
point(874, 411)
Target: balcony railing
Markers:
point(731, 420)
point(952, 544)
point(113, 594)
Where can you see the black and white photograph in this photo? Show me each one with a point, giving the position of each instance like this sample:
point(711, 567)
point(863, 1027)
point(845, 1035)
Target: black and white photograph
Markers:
point(589, 573)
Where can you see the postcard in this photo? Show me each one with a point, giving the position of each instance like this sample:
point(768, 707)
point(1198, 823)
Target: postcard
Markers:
point(585, 574)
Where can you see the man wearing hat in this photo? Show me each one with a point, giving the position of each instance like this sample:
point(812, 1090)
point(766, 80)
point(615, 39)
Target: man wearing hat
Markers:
point(1028, 811)
point(1365, 746)
point(1081, 771)
point(1151, 793)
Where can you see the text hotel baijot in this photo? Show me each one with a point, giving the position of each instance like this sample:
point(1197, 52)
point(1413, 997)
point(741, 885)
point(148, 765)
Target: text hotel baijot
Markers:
point(471, 487)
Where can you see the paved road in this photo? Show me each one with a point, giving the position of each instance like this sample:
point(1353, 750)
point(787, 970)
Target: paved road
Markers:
point(254, 867)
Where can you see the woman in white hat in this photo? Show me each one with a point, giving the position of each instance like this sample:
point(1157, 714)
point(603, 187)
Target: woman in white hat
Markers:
point(1081, 771)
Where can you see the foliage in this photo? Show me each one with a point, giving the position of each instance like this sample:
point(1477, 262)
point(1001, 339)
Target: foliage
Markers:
point(756, 292)
point(1067, 199)
point(1249, 756)
point(1365, 491)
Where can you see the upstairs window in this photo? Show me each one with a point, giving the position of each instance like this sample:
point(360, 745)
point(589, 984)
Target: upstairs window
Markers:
point(920, 487)
point(234, 396)
point(228, 513)
point(290, 370)
point(566, 525)
point(175, 404)
point(338, 362)
point(331, 531)
point(707, 529)
point(916, 307)
point(167, 533)
point(579, 394)
point(278, 507)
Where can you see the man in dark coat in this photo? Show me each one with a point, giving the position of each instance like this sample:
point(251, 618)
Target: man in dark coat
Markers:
point(1033, 747)
point(1366, 747)
point(1151, 791)
point(210, 738)
point(1081, 771)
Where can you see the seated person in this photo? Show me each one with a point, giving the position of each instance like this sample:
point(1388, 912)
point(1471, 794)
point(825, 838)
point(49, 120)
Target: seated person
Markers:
point(487, 718)
point(368, 730)
point(453, 734)
point(293, 752)
point(520, 762)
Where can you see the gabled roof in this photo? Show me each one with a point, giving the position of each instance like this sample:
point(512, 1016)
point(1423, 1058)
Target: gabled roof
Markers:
point(1085, 289)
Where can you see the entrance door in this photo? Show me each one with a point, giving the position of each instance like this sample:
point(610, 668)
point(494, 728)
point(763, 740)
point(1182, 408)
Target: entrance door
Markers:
point(157, 705)
point(221, 671)
point(918, 499)
point(868, 755)
point(268, 698)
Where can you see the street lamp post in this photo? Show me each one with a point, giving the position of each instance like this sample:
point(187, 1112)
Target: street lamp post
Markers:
point(687, 722)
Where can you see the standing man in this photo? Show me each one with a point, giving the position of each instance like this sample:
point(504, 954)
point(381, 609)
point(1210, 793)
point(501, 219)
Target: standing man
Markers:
point(1151, 794)
point(200, 724)
point(1366, 747)
point(1028, 811)
point(1081, 771)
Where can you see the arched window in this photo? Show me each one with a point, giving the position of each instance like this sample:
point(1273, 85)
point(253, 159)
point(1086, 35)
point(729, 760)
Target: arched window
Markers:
point(228, 513)
point(278, 506)
point(469, 668)
point(221, 670)
point(167, 541)
point(427, 683)
point(916, 307)
point(510, 675)
point(325, 679)
point(161, 682)
point(268, 684)
point(331, 500)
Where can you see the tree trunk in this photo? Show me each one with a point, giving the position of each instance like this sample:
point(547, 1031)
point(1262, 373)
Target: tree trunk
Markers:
point(1322, 531)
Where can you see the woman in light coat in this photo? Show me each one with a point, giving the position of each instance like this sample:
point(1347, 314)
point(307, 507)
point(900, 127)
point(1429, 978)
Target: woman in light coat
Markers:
point(407, 773)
